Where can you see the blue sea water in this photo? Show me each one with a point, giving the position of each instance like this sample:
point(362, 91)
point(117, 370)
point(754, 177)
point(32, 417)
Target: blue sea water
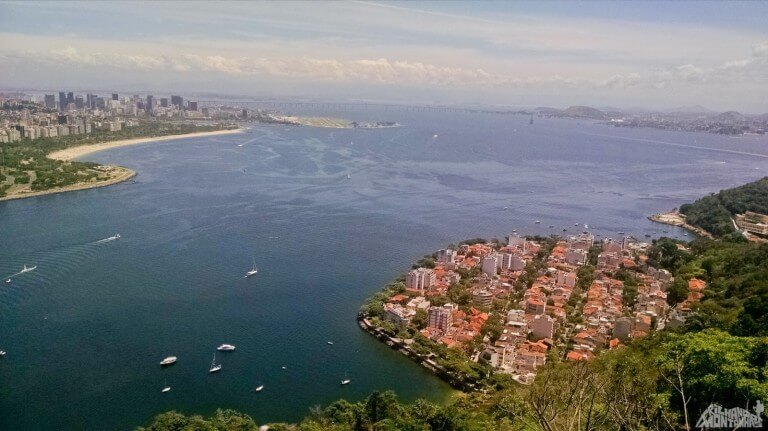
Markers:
point(86, 330)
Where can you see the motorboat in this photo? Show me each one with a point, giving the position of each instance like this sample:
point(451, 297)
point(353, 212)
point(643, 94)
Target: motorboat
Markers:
point(260, 388)
point(345, 380)
point(166, 389)
point(8, 281)
point(538, 221)
point(330, 343)
point(226, 348)
point(25, 269)
point(168, 361)
point(2, 353)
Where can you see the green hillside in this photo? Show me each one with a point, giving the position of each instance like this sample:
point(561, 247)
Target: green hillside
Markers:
point(713, 213)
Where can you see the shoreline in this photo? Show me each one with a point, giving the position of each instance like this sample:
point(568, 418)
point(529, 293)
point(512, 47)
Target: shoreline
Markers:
point(675, 218)
point(73, 153)
point(123, 174)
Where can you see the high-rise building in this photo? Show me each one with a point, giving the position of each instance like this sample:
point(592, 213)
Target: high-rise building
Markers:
point(114, 96)
point(440, 318)
point(79, 102)
point(177, 101)
point(62, 100)
point(164, 102)
point(50, 101)
point(150, 102)
point(420, 279)
point(245, 113)
point(70, 98)
point(192, 106)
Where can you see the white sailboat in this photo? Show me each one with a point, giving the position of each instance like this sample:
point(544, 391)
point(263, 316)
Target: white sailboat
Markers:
point(260, 388)
point(214, 366)
point(253, 270)
point(166, 388)
point(345, 380)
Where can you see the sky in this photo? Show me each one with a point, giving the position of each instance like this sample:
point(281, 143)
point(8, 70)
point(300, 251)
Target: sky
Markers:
point(652, 55)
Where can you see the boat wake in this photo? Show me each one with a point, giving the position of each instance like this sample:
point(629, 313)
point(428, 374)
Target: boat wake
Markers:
point(111, 238)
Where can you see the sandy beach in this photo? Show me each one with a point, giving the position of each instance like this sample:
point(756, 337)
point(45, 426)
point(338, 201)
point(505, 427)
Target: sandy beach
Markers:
point(82, 150)
point(117, 174)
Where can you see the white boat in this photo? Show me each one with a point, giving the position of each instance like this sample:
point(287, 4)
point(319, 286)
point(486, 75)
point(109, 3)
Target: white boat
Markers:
point(330, 343)
point(116, 236)
point(538, 221)
point(8, 281)
point(25, 269)
point(284, 367)
point(253, 271)
point(168, 361)
point(2, 353)
point(226, 348)
point(166, 388)
point(349, 177)
point(214, 366)
point(260, 388)
point(345, 380)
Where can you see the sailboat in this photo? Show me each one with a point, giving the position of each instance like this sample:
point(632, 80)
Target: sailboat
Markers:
point(253, 271)
point(214, 366)
point(166, 388)
point(260, 388)
point(345, 380)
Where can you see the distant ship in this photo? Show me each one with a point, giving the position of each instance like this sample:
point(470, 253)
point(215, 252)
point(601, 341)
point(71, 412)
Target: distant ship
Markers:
point(115, 236)
point(538, 221)
point(345, 380)
point(214, 366)
point(253, 271)
point(226, 348)
point(9, 280)
point(260, 388)
point(168, 361)
point(330, 343)
point(349, 177)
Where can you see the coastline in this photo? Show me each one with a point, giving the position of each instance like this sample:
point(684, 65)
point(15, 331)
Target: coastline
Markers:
point(123, 175)
point(68, 154)
point(119, 173)
point(675, 218)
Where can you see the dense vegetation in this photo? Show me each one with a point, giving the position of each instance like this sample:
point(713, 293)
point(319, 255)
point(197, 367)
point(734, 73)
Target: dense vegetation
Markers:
point(713, 213)
point(24, 159)
point(662, 382)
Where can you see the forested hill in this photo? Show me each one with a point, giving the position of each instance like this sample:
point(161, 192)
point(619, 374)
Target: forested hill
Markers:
point(713, 213)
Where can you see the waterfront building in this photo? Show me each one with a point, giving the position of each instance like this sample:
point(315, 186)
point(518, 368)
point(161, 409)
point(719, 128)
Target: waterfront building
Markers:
point(515, 240)
point(576, 256)
point(420, 279)
point(446, 256)
point(398, 314)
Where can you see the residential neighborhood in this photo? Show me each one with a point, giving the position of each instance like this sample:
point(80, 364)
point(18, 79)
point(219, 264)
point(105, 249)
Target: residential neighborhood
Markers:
point(513, 306)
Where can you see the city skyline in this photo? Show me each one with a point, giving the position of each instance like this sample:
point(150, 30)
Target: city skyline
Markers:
point(601, 54)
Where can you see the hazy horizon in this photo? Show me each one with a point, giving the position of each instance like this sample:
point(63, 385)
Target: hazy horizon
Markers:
point(653, 56)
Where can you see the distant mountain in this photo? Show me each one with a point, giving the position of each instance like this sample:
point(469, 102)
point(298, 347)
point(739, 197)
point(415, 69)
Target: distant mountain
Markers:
point(547, 110)
point(729, 117)
point(584, 112)
point(693, 109)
